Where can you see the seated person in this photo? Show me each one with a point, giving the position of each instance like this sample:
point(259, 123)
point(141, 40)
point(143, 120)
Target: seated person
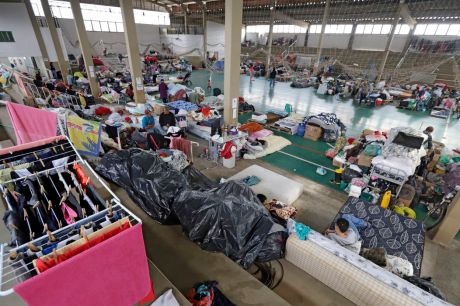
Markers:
point(345, 232)
point(167, 119)
point(148, 122)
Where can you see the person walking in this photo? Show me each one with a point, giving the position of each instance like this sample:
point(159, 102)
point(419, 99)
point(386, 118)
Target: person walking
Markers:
point(272, 77)
point(251, 73)
point(163, 88)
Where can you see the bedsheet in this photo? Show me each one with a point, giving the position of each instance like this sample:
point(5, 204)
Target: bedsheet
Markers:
point(406, 165)
point(400, 236)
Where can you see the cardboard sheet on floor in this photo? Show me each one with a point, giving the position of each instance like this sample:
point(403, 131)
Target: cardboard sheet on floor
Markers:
point(272, 184)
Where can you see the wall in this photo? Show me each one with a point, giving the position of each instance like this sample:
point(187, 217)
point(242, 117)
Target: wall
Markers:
point(50, 46)
point(14, 17)
point(216, 38)
point(334, 41)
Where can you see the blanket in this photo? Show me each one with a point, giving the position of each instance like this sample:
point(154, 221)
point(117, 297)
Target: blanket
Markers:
point(274, 143)
point(400, 236)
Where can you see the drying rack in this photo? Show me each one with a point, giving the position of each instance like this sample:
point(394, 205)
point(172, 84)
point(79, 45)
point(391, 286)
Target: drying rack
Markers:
point(8, 277)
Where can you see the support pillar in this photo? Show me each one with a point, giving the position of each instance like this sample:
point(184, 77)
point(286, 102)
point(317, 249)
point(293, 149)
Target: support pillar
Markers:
point(63, 64)
point(270, 38)
point(132, 46)
point(352, 37)
point(307, 32)
point(85, 47)
point(323, 26)
point(38, 35)
point(449, 227)
point(205, 37)
point(233, 23)
point(408, 40)
point(389, 40)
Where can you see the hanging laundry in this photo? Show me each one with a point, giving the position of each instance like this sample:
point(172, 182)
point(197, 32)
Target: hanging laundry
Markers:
point(183, 145)
point(30, 123)
point(98, 276)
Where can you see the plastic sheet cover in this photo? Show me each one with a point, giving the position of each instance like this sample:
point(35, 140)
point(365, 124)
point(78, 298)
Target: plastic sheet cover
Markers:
point(149, 181)
point(230, 219)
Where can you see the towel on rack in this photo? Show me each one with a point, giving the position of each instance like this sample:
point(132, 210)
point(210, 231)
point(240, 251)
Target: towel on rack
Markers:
point(106, 274)
point(183, 145)
point(31, 124)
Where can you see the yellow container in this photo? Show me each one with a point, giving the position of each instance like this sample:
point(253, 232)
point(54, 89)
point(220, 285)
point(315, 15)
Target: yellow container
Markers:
point(386, 199)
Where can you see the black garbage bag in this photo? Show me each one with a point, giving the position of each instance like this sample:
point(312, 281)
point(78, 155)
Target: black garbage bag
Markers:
point(274, 246)
point(197, 180)
point(228, 219)
point(426, 284)
point(149, 181)
point(350, 174)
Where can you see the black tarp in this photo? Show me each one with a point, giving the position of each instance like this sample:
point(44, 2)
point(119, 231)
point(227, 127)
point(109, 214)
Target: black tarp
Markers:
point(230, 219)
point(149, 181)
point(226, 218)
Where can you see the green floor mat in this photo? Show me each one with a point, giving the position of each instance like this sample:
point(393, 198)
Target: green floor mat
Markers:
point(421, 212)
point(300, 167)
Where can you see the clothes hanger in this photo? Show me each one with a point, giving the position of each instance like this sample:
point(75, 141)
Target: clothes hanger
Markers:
point(26, 218)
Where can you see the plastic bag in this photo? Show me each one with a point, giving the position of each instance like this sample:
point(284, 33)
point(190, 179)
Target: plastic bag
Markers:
point(228, 219)
point(147, 179)
point(372, 150)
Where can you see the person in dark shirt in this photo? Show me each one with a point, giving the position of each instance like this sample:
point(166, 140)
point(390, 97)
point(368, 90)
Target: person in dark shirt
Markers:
point(167, 119)
point(429, 142)
point(272, 77)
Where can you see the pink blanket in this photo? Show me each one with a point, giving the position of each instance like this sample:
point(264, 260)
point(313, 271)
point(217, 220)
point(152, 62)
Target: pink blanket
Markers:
point(31, 123)
point(115, 272)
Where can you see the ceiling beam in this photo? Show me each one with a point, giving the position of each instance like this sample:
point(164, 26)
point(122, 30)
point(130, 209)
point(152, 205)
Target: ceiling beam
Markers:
point(281, 16)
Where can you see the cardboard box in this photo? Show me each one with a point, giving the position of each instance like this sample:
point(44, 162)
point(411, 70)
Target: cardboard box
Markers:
point(433, 162)
point(365, 160)
point(313, 132)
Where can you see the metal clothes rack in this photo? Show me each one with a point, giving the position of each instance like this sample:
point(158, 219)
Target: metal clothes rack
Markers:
point(399, 180)
point(9, 275)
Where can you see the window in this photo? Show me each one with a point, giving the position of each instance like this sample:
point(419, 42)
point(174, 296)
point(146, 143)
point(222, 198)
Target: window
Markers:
point(88, 25)
point(359, 29)
point(93, 12)
point(348, 28)
point(104, 26)
point(431, 29)
point(402, 29)
point(377, 29)
point(454, 29)
point(112, 27)
point(442, 29)
point(6, 36)
point(315, 28)
point(368, 29)
point(120, 27)
point(420, 29)
point(386, 29)
point(96, 26)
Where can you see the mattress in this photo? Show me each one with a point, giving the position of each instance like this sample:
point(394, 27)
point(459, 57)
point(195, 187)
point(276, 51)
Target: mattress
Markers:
point(398, 166)
point(400, 236)
point(272, 184)
point(357, 279)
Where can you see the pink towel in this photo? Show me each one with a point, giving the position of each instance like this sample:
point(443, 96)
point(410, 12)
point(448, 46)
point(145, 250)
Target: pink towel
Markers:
point(114, 272)
point(31, 123)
